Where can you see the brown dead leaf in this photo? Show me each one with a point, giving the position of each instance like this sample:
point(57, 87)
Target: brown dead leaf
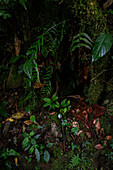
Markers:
point(52, 113)
point(99, 146)
point(108, 137)
point(28, 122)
point(38, 85)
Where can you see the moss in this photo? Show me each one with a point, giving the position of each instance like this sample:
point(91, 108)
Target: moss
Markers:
point(15, 80)
point(62, 161)
point(95, 91)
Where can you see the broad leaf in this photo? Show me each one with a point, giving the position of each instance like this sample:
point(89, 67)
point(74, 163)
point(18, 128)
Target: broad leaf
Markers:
point(25, 142)
point(101, 46)
point(49, 145)
point(37, 136)
point(54, 97)
point(33, 141)
point(37, 154)
point(31, 150)
point(31, 133)
point(46, 156)
point(47, 100)
point(32, 118)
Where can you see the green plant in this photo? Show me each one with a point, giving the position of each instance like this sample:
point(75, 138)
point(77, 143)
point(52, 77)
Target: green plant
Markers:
point(101, 46)
point(74, 161)
point(47, 89)
point(81, 40)
point(31, 143)
point(6, 153)
point(52, 103)
point(64, 106)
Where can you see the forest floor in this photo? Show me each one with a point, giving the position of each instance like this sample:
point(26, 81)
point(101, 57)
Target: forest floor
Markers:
point(78, 140)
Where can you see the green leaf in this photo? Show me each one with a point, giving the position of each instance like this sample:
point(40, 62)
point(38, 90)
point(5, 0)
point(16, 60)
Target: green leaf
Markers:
point(63, 103)
point(47, 104)
point(32, 118)
point(25, 142)
point(49, 145)
point(25, 134)
point(14, 59)
point(27, 147)
point(46, 156)
point(12, 152)
point(37, 154)
point(31, 150)
point(33, 141)
point(37, 136)
point(54, 97)
point(22, 2)
point(101, 46)
point(47, 100)
point(31, 133)
point(85, 40)
point(39, 127)
point(57, 104)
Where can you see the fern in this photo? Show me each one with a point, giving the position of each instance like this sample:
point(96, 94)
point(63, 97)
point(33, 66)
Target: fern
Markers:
point(47, 44)
point(81, 40)
point(47, 89)
point(74, 161)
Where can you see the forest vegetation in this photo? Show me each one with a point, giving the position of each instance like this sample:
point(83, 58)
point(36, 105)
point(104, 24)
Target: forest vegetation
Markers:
point(56, 84)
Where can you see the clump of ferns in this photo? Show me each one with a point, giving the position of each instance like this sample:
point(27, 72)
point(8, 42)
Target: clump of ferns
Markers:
point(46, 44)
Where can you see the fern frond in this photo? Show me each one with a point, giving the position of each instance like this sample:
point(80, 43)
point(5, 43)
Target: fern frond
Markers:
point(81, 40)
point(74, 161)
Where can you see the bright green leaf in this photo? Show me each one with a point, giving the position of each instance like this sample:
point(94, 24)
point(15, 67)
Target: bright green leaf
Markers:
point(31, 150)
point(31, 133)
point(32, 118)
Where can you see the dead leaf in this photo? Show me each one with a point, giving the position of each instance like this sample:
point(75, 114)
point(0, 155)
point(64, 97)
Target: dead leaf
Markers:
point(18, 115)
point(80, 131)
point(16, 161)
point(99, 146)
point(38, 85)
point(108, 137)
point(52, 113)
point(75, 124)
point(97, 125)
point(28, 122)
point(17, 45)
point(23, 128)
point(90, 110)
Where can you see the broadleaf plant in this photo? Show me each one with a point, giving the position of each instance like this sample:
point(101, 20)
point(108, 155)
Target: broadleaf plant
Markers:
point(101, 46)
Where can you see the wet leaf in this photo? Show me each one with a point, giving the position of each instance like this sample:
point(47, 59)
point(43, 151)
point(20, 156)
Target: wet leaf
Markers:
point(46, 156)
point(25, 142)
point(37, 154)
point(37, 136)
